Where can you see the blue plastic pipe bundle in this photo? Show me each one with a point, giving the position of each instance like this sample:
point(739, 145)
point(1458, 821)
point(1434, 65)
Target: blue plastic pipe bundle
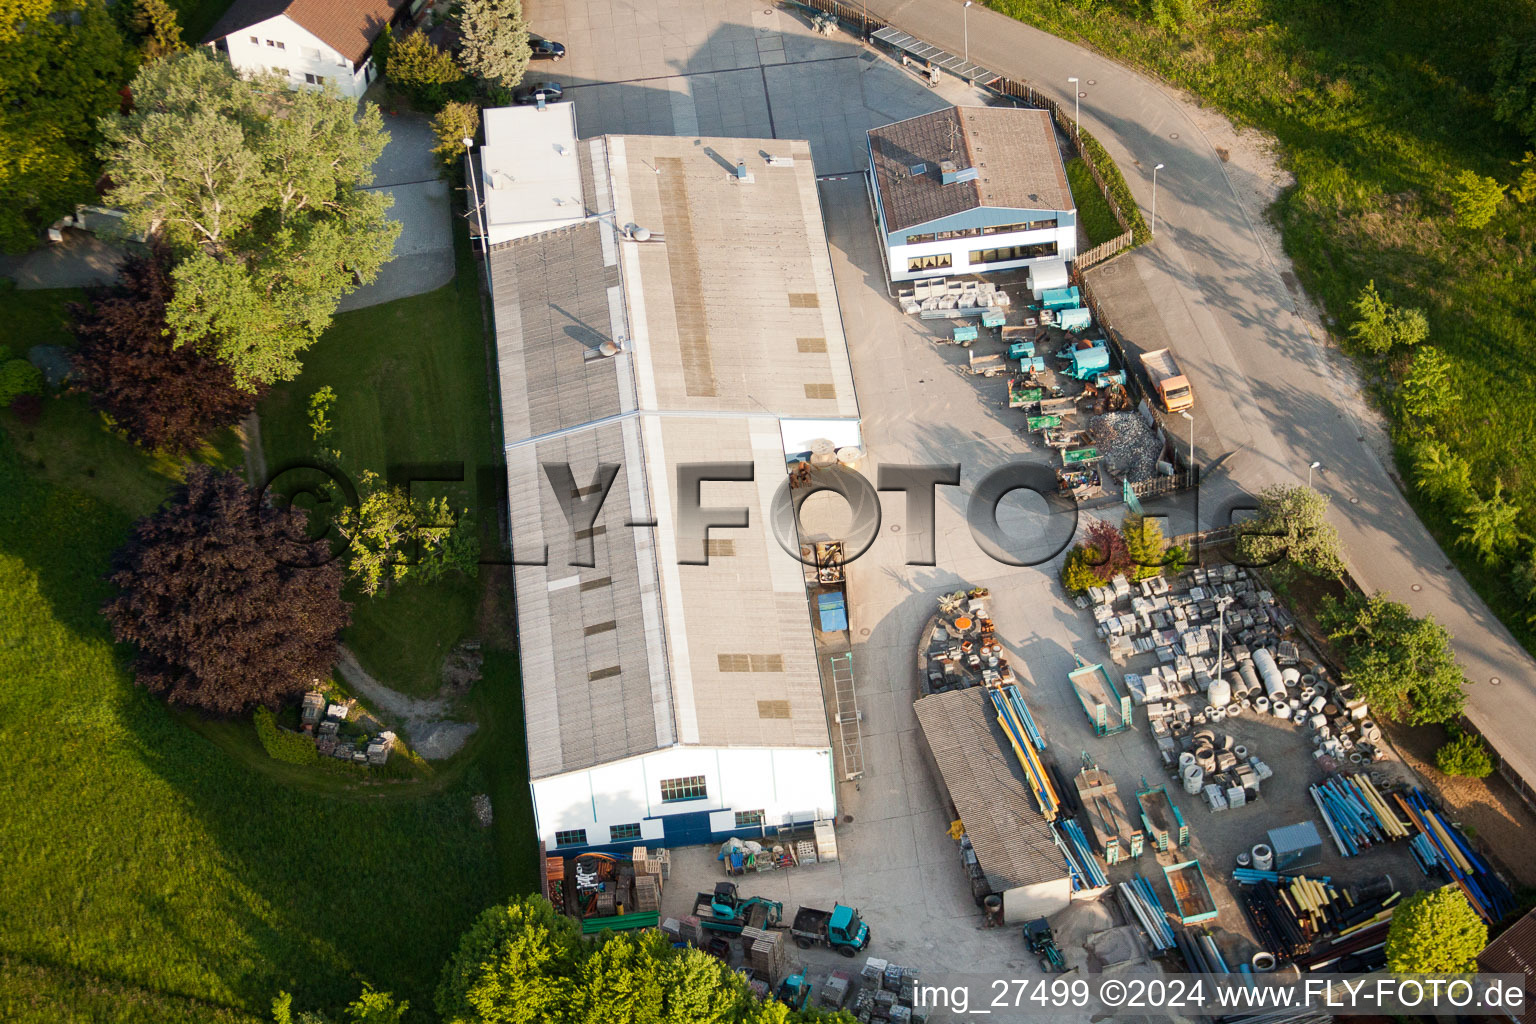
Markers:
point(1350, 820)
point(1439, 845)
point(1017, 700)
point(1083, 865)
point(1251, 875)
point(1148, 909)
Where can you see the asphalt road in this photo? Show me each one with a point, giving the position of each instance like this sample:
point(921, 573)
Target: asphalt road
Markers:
point(1272, 397)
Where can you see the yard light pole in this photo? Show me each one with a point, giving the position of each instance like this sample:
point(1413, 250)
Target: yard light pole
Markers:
point(965, 24)
point(474, 185)
point(1309, 473)
point(1077, 109)
point(1155, 169)
point(1222, 604)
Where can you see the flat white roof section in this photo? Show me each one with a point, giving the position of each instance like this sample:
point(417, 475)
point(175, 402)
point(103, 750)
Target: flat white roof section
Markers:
point(530, 178)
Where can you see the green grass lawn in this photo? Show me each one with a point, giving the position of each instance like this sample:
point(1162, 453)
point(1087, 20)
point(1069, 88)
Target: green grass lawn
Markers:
point(154, 870)
point(1093, 211)
point(410, 381)
point(1377, 107)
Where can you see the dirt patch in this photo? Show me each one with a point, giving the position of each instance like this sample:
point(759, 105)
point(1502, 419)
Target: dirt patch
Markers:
point(461, 668)
point(497, 617)
point(433, 735)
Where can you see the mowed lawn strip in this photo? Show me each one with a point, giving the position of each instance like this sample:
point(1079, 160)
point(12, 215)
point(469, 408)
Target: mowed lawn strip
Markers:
point(1093, 212)
point(411, 400)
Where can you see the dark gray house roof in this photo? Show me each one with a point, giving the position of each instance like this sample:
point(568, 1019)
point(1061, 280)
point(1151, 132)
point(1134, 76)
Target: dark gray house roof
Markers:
point(1014, 151)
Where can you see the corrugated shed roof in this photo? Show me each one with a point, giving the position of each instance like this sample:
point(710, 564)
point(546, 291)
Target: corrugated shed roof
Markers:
point(1014, 151)
point(349, 26)
point(1012, 839)
point(1514, 952)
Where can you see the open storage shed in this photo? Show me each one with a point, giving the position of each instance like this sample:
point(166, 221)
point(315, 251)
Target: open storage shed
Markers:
point(985, 784)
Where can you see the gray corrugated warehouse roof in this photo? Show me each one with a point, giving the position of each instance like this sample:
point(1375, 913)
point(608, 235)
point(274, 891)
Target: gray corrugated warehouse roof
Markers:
point(1012, 839)
point(728, 320)
point(1014, 151)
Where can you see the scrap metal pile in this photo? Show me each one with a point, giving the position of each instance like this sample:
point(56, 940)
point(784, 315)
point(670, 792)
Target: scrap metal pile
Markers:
point(1128, 444)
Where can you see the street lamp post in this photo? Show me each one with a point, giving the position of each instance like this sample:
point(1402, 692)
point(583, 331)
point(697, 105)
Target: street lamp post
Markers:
point(965, 24)
point(1186, 415)
point(1077, 109)
point(1155, 169)
point(1309, 473)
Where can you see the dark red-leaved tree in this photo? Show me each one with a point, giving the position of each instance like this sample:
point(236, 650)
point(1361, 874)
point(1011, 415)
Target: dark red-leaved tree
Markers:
point(1110, 557)
point(163, 397)
point(229, 604)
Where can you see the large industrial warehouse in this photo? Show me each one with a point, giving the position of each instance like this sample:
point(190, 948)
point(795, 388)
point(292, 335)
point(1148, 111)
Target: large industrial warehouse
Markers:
point(660, 303)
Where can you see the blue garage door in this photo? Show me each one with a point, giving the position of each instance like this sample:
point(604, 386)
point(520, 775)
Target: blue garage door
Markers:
point(685, 829)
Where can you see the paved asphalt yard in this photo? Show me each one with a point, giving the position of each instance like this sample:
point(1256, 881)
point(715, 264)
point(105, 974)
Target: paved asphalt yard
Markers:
point(738, 68)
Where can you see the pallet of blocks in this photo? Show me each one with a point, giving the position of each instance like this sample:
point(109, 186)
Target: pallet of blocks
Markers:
point(766, 954)
point(826, 842)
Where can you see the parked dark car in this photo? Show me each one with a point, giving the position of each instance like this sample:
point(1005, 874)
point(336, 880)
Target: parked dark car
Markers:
point(533, 92)
point(546, 49)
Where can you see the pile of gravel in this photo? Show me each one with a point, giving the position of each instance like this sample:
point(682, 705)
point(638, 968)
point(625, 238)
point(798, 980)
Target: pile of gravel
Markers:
point(1129, 447)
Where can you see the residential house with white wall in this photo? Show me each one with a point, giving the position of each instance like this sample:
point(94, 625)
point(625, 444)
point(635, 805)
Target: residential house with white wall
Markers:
point(311, 42)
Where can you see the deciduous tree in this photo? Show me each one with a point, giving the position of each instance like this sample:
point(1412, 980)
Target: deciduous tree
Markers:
point(1435, 932)
point(525, 964)
point(256, 187)
point(390, 537)
point(1108, 555)
point(495, 47)
point(1402, 665)
point(62, 63)
point(228, 603)
point(161, 396)
point(1292, 532)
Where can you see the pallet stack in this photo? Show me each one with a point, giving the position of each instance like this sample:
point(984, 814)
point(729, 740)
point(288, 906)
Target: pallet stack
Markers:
point(765, 952)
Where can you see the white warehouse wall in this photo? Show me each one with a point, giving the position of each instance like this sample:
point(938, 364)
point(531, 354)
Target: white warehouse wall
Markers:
point(297, 43)
point(786, 784)
point(1042, 899)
